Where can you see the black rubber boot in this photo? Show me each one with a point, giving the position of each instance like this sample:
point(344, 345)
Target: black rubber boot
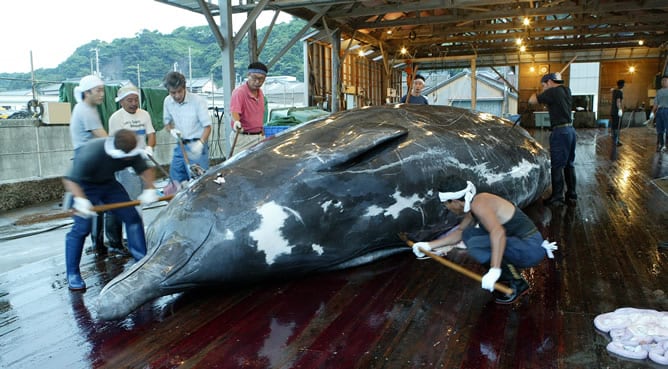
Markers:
point(569, 177)
point(97, 233)
point(557, 196)
point(511, 276)
point(113, 229)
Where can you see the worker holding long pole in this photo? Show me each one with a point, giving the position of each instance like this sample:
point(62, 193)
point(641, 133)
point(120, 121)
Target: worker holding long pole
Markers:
point(92, 181)
point(505, 241)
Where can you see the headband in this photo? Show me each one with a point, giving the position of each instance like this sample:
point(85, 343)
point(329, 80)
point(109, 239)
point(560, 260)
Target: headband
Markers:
point(260, 71)
point(467, 193)
point(115, 153)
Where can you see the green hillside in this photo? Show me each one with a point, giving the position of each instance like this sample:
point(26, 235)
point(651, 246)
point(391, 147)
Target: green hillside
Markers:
point(156, 54)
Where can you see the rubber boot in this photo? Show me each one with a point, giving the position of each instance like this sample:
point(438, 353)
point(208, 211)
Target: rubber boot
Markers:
point(660, 143)
point(569, 177)
point(557, 196)
point(515, 281)
point(113, 229)
point(97, 233)
point(136, 240)
point(73, 252)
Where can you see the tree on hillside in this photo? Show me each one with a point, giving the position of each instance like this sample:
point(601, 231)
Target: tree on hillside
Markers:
point(156, 54)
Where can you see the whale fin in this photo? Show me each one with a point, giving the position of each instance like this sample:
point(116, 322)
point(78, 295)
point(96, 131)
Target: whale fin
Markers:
point(349, 150)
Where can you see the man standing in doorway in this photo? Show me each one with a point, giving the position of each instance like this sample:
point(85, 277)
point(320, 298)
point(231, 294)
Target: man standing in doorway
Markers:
point(559, 101)
point(616, 111)
point(414, 96)
point(247, 109)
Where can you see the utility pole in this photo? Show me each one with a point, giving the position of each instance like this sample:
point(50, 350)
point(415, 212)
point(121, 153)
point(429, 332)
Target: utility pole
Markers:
point(190, 70)
point(97, 61)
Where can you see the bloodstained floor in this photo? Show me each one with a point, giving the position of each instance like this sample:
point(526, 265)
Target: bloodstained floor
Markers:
point(395, 313)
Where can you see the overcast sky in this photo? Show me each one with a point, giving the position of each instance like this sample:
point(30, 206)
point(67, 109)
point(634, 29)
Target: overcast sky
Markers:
point(53, 29)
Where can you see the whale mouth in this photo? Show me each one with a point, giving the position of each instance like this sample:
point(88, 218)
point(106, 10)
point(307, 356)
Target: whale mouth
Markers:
point(144, 281)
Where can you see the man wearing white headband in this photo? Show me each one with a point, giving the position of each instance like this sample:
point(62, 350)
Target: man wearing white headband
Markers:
point(91, 181)
point(247, 109)
point(505, 240)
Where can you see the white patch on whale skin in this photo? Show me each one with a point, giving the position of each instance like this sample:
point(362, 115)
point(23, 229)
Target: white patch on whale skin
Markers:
point(318, 249)
point(229, 235)
point(329, 203)
point(521, 170)
point(268, 235)
point(393, 210)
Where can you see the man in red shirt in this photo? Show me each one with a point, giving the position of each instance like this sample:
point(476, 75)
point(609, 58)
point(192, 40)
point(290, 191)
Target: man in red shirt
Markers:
point(247, 109)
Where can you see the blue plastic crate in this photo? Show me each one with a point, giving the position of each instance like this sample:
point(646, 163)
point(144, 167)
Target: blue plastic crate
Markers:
point(272, 130)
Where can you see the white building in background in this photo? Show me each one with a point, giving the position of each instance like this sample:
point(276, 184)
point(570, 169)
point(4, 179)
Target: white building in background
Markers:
point(492, 95)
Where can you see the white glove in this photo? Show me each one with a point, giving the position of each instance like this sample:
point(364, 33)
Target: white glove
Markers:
point(83, 207)
point(148, 196)
point(175, 133)
point(149, 151)
point(490, 278)
point(651, 115)
point(620, 113)
point(549, 247)
point(420, 245)
point(237, 125)
point(196, 149)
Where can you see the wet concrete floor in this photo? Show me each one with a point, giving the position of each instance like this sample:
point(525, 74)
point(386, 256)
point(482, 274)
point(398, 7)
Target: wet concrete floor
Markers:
point(398, 312)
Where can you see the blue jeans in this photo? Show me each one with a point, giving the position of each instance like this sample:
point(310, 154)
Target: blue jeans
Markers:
point(562, 147)
point(521, 252)
point(98, 194)
point(178, 170)
point(661, 120)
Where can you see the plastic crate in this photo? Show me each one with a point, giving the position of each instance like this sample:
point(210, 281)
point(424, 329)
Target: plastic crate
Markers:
point(272, 130)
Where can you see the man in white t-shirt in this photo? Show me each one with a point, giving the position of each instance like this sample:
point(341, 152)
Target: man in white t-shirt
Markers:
point(130, 116)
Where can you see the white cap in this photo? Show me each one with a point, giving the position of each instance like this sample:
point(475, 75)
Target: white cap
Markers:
point(90, 82)
point(87, 83)
point(125, 91)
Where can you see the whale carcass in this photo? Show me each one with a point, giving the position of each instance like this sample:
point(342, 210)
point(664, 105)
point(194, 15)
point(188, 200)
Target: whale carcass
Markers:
point(328, 194)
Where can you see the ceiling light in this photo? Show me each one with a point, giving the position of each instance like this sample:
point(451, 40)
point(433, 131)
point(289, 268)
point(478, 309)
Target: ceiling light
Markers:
point(518, 41)
point(523, 48)
point(526, 21)
point(641, 42)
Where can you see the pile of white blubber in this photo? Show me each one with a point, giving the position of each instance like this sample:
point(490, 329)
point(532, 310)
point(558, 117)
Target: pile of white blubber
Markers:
point(636, 333)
